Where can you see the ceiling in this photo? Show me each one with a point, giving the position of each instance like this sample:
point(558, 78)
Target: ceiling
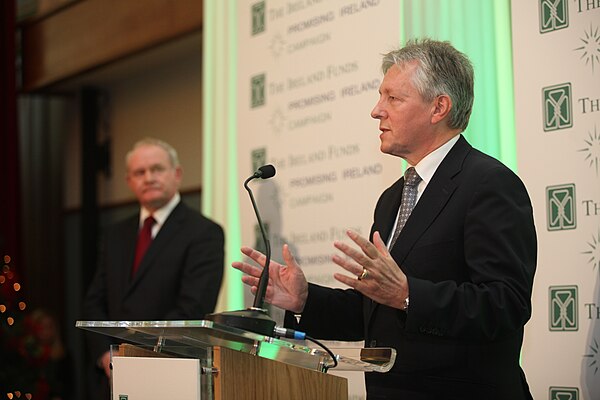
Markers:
point(122, 69)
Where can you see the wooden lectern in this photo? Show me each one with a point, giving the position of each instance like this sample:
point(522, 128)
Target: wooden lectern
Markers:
point(224, 363)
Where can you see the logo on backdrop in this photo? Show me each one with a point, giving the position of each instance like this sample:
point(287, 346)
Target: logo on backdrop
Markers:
point(563, 393)
point(594, 357)
point(590, 47)
point(560, 204)
point(257, 84)
point(277, 120)
point(592, 149)
point(557, 107)
point(258, 18)
point(258, 158)
point(594, 251)
point(554, 15)
point(563, 308)
point(277, 45)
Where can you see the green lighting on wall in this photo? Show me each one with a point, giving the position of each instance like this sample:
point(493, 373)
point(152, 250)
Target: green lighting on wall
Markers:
point(482, 30)
point(220, 180)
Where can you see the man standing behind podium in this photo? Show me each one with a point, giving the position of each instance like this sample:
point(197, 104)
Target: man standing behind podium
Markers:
point(165, 263)
point(455, 235)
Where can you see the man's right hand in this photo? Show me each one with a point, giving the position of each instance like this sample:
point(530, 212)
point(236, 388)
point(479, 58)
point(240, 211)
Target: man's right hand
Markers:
point(104, 363)
point(288, 287)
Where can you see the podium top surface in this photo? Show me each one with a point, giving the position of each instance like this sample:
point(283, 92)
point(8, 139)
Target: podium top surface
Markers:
point(193, 338)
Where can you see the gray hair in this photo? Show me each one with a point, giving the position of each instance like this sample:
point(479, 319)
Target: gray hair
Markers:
point(155, 142)
point(442, 70)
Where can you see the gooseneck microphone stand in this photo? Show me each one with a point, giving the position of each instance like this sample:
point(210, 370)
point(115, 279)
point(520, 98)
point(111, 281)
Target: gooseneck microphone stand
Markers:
point(263, 282)
point(254, 319)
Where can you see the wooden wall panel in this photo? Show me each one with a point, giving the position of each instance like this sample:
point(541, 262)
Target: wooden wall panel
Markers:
point(93, 33)
point(243, 376)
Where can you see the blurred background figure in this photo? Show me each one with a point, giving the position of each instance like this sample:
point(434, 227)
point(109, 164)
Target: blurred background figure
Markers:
point(164, 263)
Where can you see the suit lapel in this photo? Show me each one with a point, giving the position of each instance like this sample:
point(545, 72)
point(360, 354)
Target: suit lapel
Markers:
point(432, 201)
point(430, 205)
point(386, 217)
point(128, 241)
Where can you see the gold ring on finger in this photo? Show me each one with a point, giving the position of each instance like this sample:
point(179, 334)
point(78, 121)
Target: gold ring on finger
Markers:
point(364, 274)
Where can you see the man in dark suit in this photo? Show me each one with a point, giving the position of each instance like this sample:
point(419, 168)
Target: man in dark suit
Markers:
point(178, 274)
point(447, 283)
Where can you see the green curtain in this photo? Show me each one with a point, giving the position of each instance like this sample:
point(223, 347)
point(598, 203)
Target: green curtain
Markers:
point(220, 183)
point(482, 30)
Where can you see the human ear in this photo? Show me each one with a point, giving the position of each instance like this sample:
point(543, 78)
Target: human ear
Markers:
point(442, 105)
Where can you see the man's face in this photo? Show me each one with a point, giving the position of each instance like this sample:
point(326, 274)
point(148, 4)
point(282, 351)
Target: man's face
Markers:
point(404, 117)
point(152, 177)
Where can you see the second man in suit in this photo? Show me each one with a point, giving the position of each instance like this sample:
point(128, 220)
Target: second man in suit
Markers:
point(164, 263)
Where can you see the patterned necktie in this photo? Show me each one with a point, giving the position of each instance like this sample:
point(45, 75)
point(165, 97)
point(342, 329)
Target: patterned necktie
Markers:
point(409, 198)
point(143, 242)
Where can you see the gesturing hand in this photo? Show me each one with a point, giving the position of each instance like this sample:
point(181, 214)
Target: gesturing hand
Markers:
point(287, 289)
point(385, 282)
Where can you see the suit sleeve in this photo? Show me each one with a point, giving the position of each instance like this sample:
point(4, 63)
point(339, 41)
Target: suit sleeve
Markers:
point(331, 314)
point(499, 262)
point(94, 306)
point(202, 274)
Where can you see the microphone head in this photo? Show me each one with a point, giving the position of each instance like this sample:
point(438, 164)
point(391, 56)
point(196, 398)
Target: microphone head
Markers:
point(265, 172)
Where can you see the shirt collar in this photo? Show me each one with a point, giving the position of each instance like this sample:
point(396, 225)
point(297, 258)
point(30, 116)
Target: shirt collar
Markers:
point(430, 163)
point(161, 215)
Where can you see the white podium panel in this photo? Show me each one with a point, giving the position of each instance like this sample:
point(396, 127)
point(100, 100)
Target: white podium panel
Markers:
point(148, 378)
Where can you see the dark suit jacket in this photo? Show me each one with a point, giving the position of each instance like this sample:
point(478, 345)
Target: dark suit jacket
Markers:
point(178, 279)
point(469, 251)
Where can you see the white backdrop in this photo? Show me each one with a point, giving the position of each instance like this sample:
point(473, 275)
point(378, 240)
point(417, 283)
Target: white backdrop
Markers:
point(556, 47)
point(307, 113)
point(310, 119)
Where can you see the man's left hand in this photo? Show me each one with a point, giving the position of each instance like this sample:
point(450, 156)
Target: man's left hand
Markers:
point(384, 282)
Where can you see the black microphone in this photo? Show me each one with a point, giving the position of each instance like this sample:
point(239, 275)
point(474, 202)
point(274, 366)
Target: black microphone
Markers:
point(264, 172)
point(254, 319)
